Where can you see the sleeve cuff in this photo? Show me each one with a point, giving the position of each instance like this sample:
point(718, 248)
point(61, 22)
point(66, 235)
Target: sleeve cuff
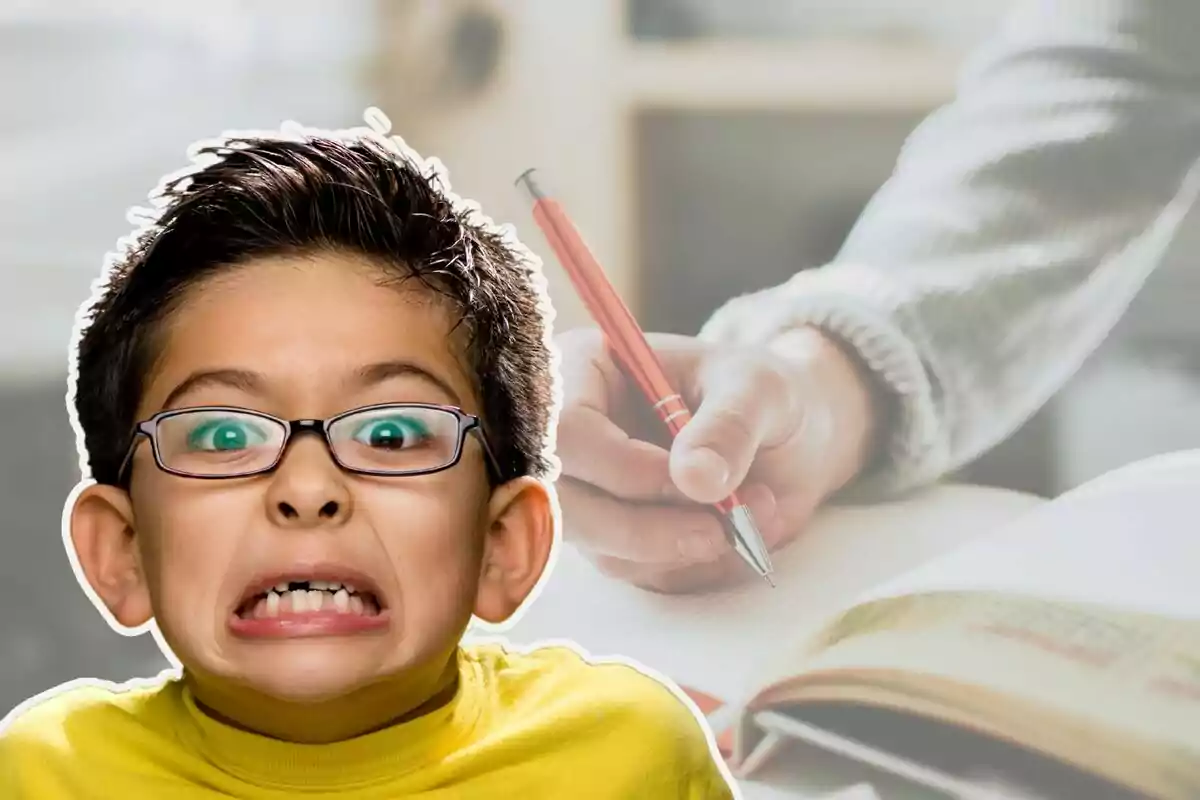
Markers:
point(858, 307)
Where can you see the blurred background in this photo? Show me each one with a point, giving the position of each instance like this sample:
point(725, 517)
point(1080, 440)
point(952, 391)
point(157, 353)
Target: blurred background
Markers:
point(706, 147)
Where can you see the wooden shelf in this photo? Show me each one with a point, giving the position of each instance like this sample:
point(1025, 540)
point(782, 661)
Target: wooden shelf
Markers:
point(825, 75)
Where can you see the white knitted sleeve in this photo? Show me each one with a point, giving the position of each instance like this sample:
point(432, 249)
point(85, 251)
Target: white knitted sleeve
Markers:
point(1019, 223)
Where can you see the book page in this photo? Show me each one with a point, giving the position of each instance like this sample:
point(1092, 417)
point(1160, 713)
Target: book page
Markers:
point(1129, 540)
point(1112, 692)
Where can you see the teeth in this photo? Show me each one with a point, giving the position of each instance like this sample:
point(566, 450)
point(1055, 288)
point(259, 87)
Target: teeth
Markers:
point(338, 597)
point(320, 586)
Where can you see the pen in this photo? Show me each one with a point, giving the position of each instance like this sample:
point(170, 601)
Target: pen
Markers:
point(630, 347)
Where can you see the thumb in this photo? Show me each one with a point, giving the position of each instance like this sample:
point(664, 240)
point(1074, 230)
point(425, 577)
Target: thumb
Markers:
point(713, 452)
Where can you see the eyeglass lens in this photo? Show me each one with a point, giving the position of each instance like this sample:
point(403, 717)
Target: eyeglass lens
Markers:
point(389, 439)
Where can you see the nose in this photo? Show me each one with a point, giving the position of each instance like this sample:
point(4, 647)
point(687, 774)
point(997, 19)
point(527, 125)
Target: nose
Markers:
point(308, 489)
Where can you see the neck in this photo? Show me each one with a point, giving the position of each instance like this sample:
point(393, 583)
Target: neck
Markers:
point(363, 711)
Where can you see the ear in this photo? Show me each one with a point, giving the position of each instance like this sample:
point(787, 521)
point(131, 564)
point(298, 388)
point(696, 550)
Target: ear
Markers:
point(520, 537)
point(102, 533)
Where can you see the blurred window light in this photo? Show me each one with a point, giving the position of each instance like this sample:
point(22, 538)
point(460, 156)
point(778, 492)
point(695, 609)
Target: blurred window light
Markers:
point(102, 99)
point(945, 21)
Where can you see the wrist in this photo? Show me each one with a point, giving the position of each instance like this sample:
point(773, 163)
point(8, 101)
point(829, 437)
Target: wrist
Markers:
point(839, 386)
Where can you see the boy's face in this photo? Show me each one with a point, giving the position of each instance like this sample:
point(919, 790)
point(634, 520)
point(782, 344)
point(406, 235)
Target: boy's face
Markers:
point(298, 338)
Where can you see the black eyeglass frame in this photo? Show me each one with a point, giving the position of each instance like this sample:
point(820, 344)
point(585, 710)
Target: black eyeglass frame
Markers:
point(467, 423)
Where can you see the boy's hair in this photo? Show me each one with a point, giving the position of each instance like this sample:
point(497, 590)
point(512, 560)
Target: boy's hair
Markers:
point(261, 195)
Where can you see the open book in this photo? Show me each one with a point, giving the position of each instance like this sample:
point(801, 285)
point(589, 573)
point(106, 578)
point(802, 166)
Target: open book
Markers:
point(1056, 641)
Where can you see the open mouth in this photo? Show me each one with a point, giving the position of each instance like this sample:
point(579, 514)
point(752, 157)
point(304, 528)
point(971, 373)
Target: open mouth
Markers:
point(290, 598)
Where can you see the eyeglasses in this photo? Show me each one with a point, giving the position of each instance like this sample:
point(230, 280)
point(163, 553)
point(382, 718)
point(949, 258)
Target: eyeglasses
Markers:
point(391, 439)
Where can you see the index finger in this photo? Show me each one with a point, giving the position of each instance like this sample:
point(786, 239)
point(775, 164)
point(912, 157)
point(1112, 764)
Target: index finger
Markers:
point(644, 533)
point(591, 446)
point(594, 450)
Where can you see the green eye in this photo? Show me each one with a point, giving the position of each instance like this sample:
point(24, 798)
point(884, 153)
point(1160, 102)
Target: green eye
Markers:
point(225, 434)
point(392, 433)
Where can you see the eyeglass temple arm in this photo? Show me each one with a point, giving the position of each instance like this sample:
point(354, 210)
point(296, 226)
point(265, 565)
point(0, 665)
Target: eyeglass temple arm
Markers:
point(133, 441)
point(477, 426)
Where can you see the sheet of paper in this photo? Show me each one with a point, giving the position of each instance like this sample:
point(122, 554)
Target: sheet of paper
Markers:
point(718, 641)
point(1129, 539)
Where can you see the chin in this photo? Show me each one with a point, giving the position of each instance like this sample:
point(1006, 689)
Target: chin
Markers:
point(307, 677)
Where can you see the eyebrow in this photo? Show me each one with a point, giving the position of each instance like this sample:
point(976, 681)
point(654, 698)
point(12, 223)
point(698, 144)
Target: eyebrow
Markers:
point(386, 370)
point(236, 378)
point(252, 382)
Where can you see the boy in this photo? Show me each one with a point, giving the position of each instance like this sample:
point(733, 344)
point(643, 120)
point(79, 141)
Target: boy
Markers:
point(313, 395)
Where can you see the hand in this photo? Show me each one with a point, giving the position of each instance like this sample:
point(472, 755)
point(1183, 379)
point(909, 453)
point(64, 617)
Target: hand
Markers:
point(784, 425)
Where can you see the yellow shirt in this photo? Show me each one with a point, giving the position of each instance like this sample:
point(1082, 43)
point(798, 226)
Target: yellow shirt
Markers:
point(523, 725)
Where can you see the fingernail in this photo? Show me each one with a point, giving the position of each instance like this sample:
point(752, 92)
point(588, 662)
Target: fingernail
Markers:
point(710, 464)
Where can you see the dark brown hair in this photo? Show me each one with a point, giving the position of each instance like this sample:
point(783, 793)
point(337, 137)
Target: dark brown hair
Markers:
point(268, 196)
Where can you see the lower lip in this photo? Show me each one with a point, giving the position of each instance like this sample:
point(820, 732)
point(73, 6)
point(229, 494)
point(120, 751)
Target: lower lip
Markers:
point(299, 626)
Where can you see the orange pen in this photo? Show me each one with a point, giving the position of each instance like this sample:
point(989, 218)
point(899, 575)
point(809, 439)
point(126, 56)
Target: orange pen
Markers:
point(630, 347)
